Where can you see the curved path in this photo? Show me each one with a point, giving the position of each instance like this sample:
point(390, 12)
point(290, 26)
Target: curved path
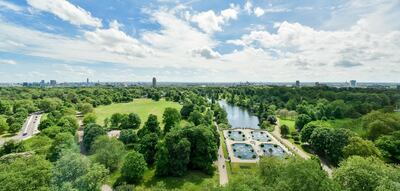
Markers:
point(223, 175)
point(277, 134)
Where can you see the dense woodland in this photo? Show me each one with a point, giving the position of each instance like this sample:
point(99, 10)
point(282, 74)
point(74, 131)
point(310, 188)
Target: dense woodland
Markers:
point(366, 159)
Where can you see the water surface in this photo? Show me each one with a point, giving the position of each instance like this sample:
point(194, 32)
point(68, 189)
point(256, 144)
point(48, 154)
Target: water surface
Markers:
point(239, 117)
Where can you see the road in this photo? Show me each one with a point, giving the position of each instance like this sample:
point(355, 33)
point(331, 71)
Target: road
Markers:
point(223, 175)
point(29, 128)
point(277, 134)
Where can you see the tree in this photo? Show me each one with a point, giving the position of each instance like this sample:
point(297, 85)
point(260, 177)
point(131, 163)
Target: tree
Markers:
point(62, 142)
point(128, 136)
point(108, 152)
point(77, 172)
point(12, 146)
point(378, 128)
point(45, 124)
point(131, 121)
point(3, 125)
point(85, 108)
point(151, 126)
point(186, 110)
point(25, 173)
point(360, 147)
point(272, 119)
point(302, 120)
point(49, 104)
point(284, 130)
point(68, 124)
point(51, 132)
point(390, 146)
point(90, 133)
point(171, 118)
point(116, 119)
point(308, 129)
point(134, 167)
point(89, 118)
point(357, 173)
point(294, 174)
point(15, 127)
point(148, 148)
point(196, 118)
point(173, 156)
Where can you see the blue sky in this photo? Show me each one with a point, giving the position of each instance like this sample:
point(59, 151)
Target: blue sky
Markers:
point(199, 40)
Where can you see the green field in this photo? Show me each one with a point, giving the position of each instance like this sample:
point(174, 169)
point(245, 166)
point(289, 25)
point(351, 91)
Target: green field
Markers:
point(350, 124)
point(142, 107)
point(289, 123)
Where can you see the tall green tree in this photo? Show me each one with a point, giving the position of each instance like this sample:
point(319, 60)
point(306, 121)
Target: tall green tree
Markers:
point(134, 167)
point(171, 118)
point(108, 152)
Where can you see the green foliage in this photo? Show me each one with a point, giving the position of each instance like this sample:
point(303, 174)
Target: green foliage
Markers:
point(51, 132)
point(91, 132)
point(50, 104)
point(330, 142)
point(302, 120)
point(186, 110)
point(134, 167)
point(151, 126)
point(12, 146)
point(26, 173)
point(361, 147)
point(85, 108)
point(62, 142)
point(390, 146)
point(3, 125)
point(308, 129)
point(108, 152)
point(369, 174)
point(45, 124)
point(75, 171)
point(196, 118)
point(284, 130)
point(130, 121)
point(89, 118)
point(148, 148)
point(128, 137)
point(171, 118)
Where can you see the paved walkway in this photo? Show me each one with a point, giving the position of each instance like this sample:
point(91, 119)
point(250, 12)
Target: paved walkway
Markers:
point(277, 134)
point(223, 175)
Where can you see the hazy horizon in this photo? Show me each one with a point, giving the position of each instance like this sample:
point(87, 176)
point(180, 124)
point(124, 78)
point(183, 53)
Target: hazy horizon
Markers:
point(200, 41)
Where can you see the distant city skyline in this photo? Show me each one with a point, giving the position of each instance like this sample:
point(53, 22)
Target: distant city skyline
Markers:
point(200, 41)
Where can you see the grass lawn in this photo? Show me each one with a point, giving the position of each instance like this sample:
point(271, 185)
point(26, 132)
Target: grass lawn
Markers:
point(238, 169)
point(350, 124)
point(289, 123)
point(224, 148)
point(142, 107)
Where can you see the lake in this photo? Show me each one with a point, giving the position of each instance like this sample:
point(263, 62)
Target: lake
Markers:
point(239, 117)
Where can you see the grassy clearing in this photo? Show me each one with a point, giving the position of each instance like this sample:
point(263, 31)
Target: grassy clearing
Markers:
point(350, 124)
point(238, 169)
point(142, 107)
point(224, 148)
point(289, 123)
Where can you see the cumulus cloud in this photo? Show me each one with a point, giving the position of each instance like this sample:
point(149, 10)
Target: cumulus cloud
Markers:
point(206, 52)
point(259, 12)
point(116, 41)
point(7, 62)
point(248, 6)
point(66, 11)
point(210, 22)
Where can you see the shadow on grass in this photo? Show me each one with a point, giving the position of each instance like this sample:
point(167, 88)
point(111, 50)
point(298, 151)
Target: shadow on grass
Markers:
point(8, 135)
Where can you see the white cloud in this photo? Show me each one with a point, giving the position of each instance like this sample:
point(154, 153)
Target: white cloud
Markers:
point(248, 6)
point(66, 11)
point(7, 62)
point(211, 22)
point(206, 52)
point(116, 41)
point(10, 6)
point(259, 12)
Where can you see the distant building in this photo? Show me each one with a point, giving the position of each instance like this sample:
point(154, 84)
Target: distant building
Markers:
point(297, 83)
point(154, 82)
point(353, 83)
point(42, 83)
point(87, 80)
point(53, 82)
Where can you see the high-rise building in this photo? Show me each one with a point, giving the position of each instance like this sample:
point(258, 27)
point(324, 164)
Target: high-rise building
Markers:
point(53, 82)
point(87, 80)
point(353, 83)
point(154, 82)
point(42, 83)
point(297, 83)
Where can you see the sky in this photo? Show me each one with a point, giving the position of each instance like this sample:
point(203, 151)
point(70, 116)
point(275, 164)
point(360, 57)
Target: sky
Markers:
point(200, 40)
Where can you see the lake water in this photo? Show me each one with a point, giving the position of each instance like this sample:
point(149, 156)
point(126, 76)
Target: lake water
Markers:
point(239, 117)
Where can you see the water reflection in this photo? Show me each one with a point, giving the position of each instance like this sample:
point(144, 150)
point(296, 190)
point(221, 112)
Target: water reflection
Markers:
point(239, 117)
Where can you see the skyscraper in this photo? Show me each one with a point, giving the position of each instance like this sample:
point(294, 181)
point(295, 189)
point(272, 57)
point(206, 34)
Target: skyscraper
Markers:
point(53, 82)
point(297, 83)
point(154, 82)
point(353, 83)
point(87, 80)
